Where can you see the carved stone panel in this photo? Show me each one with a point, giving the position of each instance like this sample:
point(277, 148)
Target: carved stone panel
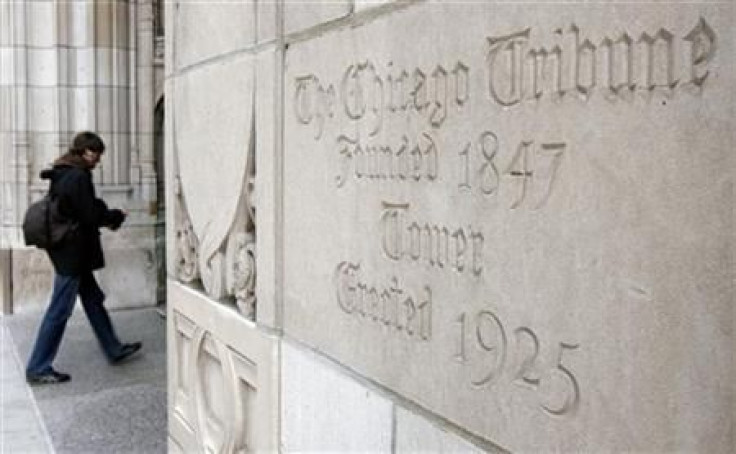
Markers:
point(213, 145)
point(222, 394)
point(520, 218)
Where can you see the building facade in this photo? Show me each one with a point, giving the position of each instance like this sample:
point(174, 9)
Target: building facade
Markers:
point(437, 226)
point(405, 226)
point(67, 67)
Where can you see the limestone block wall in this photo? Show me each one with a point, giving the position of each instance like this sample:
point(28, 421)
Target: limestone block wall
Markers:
point(68, 67)
point(441, 226)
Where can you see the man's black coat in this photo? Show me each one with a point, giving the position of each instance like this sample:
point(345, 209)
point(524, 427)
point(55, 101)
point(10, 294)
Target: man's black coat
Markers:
point(81, 250)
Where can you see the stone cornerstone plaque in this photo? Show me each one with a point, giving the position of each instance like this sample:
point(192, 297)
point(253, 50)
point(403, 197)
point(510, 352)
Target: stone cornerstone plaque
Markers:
point(520, 217)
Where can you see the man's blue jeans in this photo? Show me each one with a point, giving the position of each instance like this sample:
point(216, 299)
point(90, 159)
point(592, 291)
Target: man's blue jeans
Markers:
point(66, 289)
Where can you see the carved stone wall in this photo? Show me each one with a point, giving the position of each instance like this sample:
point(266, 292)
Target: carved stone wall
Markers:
point(213, 170)
point(223, 390)
point(481, 227)
point(88, 67)
point(222, 382)
point(518, 214)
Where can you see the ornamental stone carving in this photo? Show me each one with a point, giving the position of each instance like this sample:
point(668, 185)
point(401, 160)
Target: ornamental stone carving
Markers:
point(215, 174)
point(242, 272)
point(186, 268)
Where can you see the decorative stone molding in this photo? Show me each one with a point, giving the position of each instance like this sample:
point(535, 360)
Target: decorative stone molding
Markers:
point(215, 180)
point(242, 245)
point(218, 377)
point(221, 391)
point(186, 267)
point(229, 271)
point(242, 272)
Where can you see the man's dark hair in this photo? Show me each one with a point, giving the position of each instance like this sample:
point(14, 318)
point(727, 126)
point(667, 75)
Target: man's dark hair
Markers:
point(87, 141)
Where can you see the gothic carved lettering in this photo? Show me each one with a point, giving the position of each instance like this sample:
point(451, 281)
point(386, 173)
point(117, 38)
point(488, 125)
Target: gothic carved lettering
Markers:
point(620, 65)
point(521, 69)
point(546, 69)
point(702, 40)
point(510, 71)
point(585, 67)
point(401, 161)
point(351, 93)
point(313, 102)
point(389, 305)
point(439, 100)
point(462, 81)
point(369, 92)
point(387, 140)
point(404, 239)
point(395, 83)
point(419, 92)
point(659, 61)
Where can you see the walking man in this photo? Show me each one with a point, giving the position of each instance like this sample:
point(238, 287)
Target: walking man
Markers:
point(74, 260)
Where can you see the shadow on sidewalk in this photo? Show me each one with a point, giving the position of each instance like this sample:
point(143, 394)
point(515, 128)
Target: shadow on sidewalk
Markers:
point(105, 408)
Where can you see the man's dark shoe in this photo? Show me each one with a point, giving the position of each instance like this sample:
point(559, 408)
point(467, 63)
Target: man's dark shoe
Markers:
point(48, 378)
point(126, 351)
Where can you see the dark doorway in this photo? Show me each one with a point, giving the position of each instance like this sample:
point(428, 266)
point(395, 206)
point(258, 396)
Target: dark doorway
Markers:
point(158, 151)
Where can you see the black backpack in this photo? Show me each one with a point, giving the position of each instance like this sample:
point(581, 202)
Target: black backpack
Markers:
point(43, 225)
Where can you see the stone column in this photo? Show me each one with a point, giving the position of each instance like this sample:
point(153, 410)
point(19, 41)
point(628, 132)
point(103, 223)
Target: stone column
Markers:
point(145, 111)
point(6, 283)
point(63, 80)
point(18, 180)
point(104, 50)
point(122, 45)
point(6, 77)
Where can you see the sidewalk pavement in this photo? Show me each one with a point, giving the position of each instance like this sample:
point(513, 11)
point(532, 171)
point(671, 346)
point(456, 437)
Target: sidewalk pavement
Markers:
point(21, 427)
point(105, 408)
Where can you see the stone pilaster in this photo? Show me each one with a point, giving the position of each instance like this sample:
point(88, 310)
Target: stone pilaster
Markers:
point(146, 103)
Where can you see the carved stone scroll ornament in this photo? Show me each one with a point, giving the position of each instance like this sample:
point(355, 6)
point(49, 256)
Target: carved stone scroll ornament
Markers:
point(187, 269)
point(215, 172)
point(211, 266)
point(240, 256)
point(242, 266)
